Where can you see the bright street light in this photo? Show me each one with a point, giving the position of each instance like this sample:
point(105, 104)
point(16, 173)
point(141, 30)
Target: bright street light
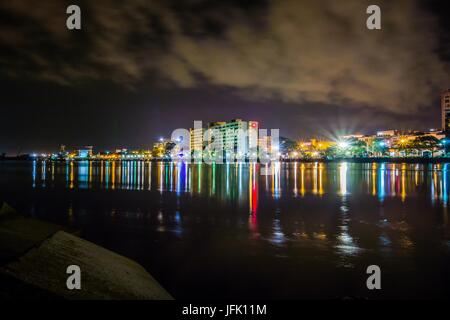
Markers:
point(343, 144)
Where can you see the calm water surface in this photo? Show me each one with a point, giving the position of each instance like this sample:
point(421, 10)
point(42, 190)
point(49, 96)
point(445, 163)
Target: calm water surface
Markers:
point(307, 230)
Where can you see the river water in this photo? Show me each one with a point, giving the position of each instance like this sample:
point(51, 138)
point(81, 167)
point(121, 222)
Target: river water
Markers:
point(285, 231)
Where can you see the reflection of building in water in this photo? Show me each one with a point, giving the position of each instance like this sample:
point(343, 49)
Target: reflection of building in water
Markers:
point(43, 172)
point(238, 182)
point(72, 175)
point(321, 192)
point(318, 179)
point(34, 173)
point(381, 182)
point(253, 195)
point(83, 174)
point(276, 179)
point(302, 179)
point(443, 184)
point(403, 182)
point(278, 238)
point(113, 175)
point(374, 179)
point(253, 188)
point(346, 244)
point(343, 178)
point(295, 191)
point(314, 173)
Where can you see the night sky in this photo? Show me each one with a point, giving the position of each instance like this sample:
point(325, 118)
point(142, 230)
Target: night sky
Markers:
point(139, 69)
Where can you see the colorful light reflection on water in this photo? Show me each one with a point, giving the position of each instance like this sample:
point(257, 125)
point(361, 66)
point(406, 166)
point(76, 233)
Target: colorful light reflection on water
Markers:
point(300, 179)
point(303, 222)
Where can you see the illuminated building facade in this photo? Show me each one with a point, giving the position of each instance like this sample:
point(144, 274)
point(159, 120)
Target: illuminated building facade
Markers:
point(445, 109)
point(265, 145)
point(235, 139)
point(196, 142)
point(85, 153)
point(387, 133)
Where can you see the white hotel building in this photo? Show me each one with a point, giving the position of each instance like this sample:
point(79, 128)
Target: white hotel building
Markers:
point(236, 139)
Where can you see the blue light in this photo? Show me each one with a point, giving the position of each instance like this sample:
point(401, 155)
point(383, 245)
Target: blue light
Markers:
point(83, 154)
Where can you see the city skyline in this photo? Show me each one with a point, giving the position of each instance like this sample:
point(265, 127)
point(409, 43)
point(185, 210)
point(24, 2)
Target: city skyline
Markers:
point(198, 139)
point(244, 141)
point(126, 79)
point(222, 150)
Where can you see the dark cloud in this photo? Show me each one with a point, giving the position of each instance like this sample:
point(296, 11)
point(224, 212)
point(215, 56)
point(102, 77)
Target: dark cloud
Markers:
point(294, 51)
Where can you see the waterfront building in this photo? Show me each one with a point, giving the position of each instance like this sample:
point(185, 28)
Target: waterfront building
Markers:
point(61, 154)
point(351, 136)
point(84, 153)
point(437, 134)
point(196, 144)
point(312, 149)
point(412, 143)
point(265, 145)
point(163, 149)
point(233, 140)
point(387, 133)
point(268, 147)
point(286, 146)
point(445, 110)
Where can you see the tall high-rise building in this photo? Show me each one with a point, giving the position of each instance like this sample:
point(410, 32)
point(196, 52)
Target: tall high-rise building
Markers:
point(235, 139)
point(196, 143)
point(445, 109)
